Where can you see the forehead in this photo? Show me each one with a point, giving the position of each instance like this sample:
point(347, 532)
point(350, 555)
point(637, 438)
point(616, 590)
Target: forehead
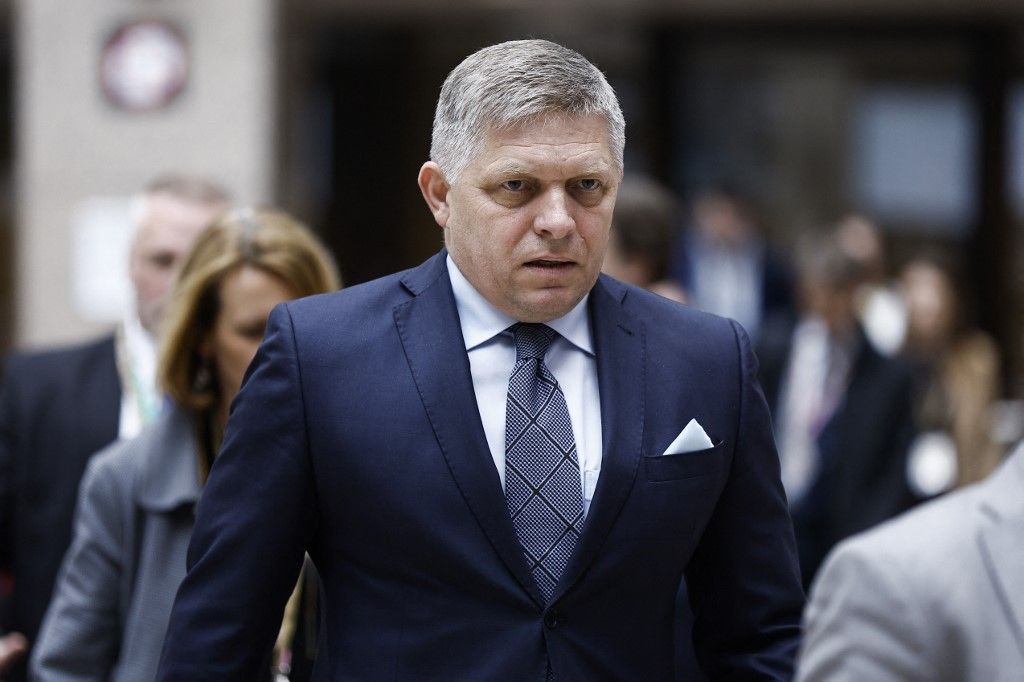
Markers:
point(168, 221)
point(252, 290)
point(548, 144)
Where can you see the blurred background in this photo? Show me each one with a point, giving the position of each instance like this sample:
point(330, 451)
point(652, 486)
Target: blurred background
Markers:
point(910, 113)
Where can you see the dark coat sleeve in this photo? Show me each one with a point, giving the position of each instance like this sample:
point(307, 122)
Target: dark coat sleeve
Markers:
point(228, 610)
point(6, 475)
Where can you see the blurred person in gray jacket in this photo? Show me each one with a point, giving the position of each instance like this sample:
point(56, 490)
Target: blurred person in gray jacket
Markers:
point(136, 507)
point(936, 595)
point(59, 406)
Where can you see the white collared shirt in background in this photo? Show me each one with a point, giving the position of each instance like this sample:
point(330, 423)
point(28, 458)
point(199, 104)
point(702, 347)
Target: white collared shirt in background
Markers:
point(728, 282)
point(813, 386)
point(492, 356)
point(141, 401)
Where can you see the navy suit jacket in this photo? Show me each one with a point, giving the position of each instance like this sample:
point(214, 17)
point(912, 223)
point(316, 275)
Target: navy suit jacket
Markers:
point(357, 436)
point(57, 408)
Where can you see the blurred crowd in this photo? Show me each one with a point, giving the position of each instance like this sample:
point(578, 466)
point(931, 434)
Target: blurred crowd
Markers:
point(880, 387)
point(883, 394)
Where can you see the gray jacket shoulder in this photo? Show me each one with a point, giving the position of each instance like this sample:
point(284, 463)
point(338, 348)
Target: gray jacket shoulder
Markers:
point(914, 599)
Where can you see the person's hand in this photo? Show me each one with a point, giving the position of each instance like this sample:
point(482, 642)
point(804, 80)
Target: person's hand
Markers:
point(12, 647)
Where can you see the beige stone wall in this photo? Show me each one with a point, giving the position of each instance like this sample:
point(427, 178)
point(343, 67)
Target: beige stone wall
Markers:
point(73, 145)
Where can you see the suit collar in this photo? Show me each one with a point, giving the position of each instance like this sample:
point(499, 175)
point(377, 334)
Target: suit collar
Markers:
point(621, 364)
point(423, 276)
point(481, 320)
point(428, 326)
point(168, 465)
point(1000, 536)
point(431, 335)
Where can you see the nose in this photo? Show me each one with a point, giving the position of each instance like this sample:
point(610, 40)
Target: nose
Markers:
point(554, 217)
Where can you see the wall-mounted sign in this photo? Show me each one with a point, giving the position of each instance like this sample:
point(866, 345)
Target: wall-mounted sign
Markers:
point(144, 65)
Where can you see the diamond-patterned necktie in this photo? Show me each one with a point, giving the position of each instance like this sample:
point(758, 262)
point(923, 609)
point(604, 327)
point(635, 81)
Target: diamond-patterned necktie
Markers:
point(542, 473)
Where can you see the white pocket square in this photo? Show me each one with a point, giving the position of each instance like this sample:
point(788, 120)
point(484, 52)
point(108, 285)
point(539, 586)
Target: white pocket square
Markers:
point(691, 439)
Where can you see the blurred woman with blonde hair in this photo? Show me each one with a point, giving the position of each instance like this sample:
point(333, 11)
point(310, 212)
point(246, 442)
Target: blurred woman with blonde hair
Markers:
point(136, 504)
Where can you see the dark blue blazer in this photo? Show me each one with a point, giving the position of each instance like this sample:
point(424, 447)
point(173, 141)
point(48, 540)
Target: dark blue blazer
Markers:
point(357, 436)
point(57, 408)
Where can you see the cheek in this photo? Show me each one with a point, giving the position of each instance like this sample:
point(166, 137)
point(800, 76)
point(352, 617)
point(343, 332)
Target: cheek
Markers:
point(250, 352)
point(146, 279)
point(155, 282)
point(242, 351)
point(596, 232)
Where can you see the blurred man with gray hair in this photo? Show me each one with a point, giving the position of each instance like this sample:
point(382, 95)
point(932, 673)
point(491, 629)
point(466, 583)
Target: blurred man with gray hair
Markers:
point(502, 462)
point(58, 407)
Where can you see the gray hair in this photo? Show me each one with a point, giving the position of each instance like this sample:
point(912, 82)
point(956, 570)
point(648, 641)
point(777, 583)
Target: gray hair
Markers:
point(189, 189)
point(508, 83)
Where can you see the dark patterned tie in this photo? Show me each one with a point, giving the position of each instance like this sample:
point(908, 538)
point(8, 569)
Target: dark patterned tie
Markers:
point(542, 473)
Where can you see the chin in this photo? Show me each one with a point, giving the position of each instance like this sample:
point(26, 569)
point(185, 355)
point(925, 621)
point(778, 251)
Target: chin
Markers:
point(545, 308)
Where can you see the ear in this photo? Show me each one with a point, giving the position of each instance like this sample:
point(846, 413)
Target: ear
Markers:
point(435, 190)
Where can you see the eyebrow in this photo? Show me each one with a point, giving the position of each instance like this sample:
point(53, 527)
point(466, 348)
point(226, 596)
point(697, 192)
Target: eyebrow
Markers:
point(517, 168)
point(511, 168)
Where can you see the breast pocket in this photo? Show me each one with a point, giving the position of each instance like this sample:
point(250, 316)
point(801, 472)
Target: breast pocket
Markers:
point(684, 465)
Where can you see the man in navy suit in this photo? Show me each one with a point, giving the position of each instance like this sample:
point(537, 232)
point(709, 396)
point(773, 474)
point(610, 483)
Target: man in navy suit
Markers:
point(382, 430)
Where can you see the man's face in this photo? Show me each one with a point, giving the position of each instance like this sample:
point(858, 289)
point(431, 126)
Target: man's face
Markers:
point(527, 221)
point(165, 233)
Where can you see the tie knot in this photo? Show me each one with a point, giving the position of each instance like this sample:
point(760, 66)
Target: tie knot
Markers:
point(532, 340)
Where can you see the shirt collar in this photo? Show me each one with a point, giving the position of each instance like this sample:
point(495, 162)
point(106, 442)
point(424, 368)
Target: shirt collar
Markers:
point(481, 321)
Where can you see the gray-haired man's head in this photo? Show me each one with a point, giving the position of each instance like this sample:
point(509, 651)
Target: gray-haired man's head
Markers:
point(171, 213)
point(505, 84)
point(526, 163)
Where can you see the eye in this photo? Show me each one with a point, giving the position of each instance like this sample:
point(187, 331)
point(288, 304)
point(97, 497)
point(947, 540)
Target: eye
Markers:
point(162, 259)
point(514, 185)
point(588, 191)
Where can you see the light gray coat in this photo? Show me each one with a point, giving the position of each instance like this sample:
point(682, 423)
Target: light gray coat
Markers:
point(113, 598)
point(935, 595)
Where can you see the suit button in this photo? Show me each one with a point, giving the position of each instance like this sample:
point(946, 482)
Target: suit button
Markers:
point(553, 618)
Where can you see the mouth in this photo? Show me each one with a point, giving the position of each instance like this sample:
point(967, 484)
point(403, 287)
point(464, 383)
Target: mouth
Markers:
point(549, 264)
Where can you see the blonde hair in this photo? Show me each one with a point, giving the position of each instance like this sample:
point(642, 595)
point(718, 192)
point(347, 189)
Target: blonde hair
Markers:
point(266, 239)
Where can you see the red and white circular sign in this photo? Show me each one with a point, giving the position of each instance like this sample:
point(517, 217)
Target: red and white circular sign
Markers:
point(144, 65)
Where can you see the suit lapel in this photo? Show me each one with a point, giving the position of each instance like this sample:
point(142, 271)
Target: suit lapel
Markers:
point(619, 347)
point(431, 335)
point(1001, 536)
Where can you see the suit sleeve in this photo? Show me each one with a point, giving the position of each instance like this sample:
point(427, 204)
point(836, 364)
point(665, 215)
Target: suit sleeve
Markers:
point(80, 634)
point(744, 580)
point(860, 624)
point(6, 471)
point(253, 523)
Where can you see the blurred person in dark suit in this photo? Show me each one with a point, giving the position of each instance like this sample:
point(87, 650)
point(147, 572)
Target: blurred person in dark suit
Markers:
point(880, 307)
point(842, 411)
point(135, 512)
point(936, 595)
point(58, 407)
point(725, 266)
point(640, 246)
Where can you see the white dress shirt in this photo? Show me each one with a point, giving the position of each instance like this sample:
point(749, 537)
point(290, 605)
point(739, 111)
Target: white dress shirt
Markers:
point(141, 399)
point(492, 356)
point(728, 282)
point(812, 388)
